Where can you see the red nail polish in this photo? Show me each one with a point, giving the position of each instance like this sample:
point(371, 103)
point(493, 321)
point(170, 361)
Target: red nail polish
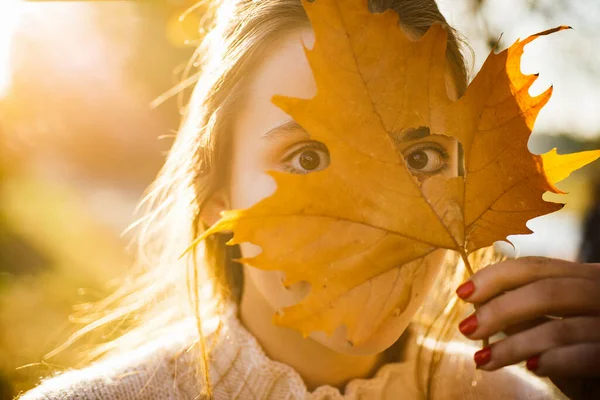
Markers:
point(483, 356)
point(468, 325)
point(465, 290)
point(533, 363)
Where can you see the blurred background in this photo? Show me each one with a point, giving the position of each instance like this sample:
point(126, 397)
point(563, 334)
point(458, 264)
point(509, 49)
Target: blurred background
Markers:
point(84, 128)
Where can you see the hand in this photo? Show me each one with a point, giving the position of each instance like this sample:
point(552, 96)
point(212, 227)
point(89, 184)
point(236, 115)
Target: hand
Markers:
point(550, 311)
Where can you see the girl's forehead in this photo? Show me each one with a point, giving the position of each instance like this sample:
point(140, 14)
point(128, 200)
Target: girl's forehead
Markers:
point(284, 69)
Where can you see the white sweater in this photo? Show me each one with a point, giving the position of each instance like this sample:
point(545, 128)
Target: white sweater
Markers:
point(164, 370)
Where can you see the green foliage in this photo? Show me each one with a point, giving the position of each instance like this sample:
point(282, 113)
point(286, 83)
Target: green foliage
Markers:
point(54, 255)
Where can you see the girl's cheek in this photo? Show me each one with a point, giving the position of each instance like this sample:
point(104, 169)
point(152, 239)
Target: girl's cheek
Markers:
point(249, 186)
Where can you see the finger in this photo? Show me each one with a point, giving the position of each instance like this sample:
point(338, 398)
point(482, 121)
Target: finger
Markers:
point(564, 296)
point(537, 340)
point(522, 326)
point(578, 360)
point(491, 281)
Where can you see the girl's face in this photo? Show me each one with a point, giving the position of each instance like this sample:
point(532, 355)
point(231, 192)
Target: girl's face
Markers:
point(266, 138)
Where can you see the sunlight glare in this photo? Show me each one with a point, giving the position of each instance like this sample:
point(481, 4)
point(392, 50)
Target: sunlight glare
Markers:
point(10, 12)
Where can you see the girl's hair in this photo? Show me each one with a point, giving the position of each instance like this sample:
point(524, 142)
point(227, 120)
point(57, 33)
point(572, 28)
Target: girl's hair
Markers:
point(165, 288)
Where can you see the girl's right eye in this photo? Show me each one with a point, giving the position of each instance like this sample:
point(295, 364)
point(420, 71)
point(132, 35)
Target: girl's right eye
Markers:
point(309, 157)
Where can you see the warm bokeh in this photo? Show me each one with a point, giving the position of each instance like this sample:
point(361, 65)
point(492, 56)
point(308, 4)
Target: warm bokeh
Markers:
point(80, 143)
point(81, 138)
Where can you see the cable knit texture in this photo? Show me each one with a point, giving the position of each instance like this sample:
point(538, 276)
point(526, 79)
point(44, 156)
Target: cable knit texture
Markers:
point(165, 370)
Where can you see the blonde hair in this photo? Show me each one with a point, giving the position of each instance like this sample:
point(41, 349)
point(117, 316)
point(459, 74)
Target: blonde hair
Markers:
point(165, 288)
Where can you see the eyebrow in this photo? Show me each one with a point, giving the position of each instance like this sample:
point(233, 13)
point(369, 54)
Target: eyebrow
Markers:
point(408, 135)
point(290, 127)
point(283, 129)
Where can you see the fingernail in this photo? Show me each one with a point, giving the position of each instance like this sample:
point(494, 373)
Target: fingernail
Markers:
point(483, 356)
point(533, 363)
point(465, 290)
point(468, 325)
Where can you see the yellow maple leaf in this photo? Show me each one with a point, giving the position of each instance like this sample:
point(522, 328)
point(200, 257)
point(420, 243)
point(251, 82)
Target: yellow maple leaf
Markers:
point(366, 214)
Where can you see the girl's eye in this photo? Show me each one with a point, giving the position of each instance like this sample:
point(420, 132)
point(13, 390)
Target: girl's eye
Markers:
point(428, 158)
point(310, 157)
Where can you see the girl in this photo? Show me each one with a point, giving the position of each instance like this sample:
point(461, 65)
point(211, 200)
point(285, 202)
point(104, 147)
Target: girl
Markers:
point(216, 340)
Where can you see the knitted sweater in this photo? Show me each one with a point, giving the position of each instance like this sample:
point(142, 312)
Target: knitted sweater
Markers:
point(164, 370)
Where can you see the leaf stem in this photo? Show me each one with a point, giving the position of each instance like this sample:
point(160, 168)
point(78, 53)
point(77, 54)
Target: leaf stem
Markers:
point(465, 259)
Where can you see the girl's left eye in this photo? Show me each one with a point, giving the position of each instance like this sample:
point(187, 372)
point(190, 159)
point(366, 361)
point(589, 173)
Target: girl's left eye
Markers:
point(310, 157)
point(428, 158)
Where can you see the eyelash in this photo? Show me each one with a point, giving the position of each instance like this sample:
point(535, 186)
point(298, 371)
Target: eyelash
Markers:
point(305, 146)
